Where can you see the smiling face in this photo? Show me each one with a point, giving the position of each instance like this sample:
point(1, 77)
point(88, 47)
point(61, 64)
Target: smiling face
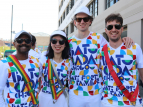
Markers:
point(23, 47)
point(114, 34)
point(56, 46)
point(82, 26)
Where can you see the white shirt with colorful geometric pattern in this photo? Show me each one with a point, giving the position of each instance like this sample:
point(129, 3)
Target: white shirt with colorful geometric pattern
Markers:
point(85, 79)
point(38, 51)
point(11, 80)
point(62, 69)
point(125, 63)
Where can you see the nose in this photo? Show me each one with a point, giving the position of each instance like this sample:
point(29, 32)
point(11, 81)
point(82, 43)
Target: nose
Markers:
point(113, 29)
point(57, 43)
point(23, 42)
point(82, 21)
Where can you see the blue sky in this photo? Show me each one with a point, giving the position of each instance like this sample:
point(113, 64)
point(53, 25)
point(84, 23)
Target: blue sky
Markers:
point(35, 15)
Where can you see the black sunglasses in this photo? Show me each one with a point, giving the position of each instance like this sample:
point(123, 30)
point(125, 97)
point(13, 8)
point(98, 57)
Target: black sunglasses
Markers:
point(61, 41)
point(20, 41)
point(85, 19)
point(117, 26)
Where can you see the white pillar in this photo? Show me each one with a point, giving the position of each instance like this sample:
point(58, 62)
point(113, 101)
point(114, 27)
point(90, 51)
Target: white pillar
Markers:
point(101, 6)
point(134, 31)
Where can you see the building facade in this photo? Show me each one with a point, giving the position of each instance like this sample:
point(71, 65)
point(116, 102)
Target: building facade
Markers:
point(131, 11)
point(42, 40)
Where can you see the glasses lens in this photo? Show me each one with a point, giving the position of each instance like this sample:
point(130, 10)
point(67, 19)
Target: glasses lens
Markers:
point(61, 42)
point(28, 41)
point(19, 41)
point(78, 19)
point(118, 27)
point(109, 27)
point(54, 41)
point(86, 19)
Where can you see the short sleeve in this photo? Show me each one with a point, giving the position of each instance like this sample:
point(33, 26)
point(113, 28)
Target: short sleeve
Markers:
point(139, 56)
point(3, 74)
point(103, 40)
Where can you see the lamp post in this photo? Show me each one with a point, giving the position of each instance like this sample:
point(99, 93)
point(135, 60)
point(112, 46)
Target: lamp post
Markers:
point(22, 26)
point(11, 28)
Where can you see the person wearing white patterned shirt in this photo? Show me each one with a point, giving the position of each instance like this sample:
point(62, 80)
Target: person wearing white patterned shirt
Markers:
point(58, 51)
point(15, 83)
point(127, 64)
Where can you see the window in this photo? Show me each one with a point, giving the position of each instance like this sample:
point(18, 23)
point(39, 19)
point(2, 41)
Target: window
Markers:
point(63, 15)
point(71, 4)
point(67, 30)
point(109, 3)
point(67, 10)
point(59, 7)
point(61, 3)
point(93, 8)
point(59, 22)
point(124, 33)
point(72, 27)
point(96, 8)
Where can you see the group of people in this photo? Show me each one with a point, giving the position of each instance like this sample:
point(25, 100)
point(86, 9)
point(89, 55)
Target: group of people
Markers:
point(82, 71)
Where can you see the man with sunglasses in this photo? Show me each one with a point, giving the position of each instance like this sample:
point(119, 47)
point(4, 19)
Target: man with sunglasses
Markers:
point(120, 67)
point(32, 51)
point(19, 75)
point(85, 80)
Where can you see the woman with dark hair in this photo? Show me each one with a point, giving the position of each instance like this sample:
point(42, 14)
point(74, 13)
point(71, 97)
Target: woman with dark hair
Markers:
point(57, 56)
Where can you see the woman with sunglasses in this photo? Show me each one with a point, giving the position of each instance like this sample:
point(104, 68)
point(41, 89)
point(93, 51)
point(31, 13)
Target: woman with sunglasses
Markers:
point(51, 94)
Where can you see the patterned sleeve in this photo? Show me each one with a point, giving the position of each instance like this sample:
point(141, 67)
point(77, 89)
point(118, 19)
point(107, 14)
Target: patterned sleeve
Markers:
point(103, 40)
point(139, 56)
point(3, 79)
point(3, 74)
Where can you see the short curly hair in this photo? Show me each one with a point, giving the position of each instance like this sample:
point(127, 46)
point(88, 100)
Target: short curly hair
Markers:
point(113, 17)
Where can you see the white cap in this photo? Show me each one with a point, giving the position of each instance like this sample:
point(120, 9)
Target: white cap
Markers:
point(22, 32)
point(82, 9)
point(58, 32)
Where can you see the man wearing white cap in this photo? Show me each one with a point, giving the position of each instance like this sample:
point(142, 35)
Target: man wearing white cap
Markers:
point(19, 75)
point(85, 80)
point(33, 51)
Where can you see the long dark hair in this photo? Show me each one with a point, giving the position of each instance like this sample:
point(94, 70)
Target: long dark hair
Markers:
point(65, 52)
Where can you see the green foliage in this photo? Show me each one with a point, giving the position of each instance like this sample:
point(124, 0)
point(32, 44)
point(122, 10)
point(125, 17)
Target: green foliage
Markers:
point(3, 48)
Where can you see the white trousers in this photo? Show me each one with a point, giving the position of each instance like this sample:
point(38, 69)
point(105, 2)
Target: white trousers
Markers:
point(84, 101)
point(110, 105)
point(46, 100)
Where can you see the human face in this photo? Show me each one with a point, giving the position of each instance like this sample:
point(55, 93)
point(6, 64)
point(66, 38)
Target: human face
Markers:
point(82, 26)
point(57, 47)
point(114, 34)
point(22, 47)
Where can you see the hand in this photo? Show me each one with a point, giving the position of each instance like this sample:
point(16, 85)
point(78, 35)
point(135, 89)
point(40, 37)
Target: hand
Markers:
point(128, 42)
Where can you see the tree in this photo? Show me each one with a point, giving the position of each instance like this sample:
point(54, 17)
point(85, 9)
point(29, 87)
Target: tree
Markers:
point(3, 48)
